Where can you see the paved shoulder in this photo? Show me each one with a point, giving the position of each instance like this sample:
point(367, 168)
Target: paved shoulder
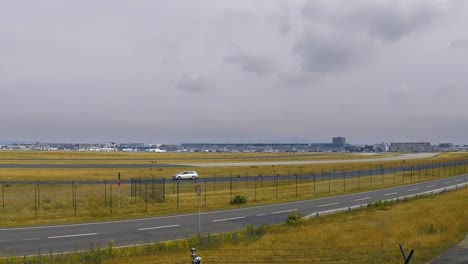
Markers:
point(456, 255)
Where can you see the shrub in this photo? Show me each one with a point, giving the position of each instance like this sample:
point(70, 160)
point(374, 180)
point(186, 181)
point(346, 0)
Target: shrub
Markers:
point(294, 219)
point(239, 199)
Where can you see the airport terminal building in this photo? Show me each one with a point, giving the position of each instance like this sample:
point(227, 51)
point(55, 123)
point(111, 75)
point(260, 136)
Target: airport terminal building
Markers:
point(411, 147)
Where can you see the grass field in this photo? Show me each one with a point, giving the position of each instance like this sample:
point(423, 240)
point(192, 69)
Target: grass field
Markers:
point(31, 204)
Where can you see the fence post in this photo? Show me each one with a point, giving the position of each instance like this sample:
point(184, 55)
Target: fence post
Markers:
point(296, 183)
point(73, 193)
point(314, 182)
point(230, 188)
point(110, 199)
point(35, 202)
point(164, 190)
point(38, 195)
point(146, 197)
point(359, 179)
point(205, 193)
point(140, 188)
point(344, 180)
point(178, 194)
point(75, 199)
point(276, 180)
point(105, 192)
point(255, 188)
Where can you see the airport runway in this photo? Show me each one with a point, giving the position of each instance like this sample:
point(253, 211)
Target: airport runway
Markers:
point(411, 156)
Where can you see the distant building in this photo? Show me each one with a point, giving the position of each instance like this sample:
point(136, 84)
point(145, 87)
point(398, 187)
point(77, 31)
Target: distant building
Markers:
point(411, 147)
point(339, 140)
point(382, 147)
point(445, 145)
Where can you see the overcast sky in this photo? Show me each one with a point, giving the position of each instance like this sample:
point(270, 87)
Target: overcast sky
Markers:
point(234, 71)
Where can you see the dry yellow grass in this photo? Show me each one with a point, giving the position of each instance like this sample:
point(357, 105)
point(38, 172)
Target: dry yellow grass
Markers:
point(428, 225)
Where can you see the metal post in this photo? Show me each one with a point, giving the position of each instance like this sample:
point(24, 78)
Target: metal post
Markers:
point(359, 180)
point(73, 193)
point(314, 184)
point(230, 187)
point(105, 192)
point(164, 189)
point(118, 192)
point(178, 195)
point(38, 195)
point(296, 183)
point(276, 186)
point(255, 188)
point(344, 180)
point(146, 197)
point(199, 215)
point(76, 199)
point(35, 202)
point(111, 199)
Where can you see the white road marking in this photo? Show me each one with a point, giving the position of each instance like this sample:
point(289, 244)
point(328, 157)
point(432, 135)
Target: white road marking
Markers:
point(390, 194)
point(446, 183)
point(31, 239)
point(285, 211)
point(361, 199)
point(76, 235)
point(410, 190)
point(261, 215)
point(459, 180)
point(157, 227)
point(430, 186)
point(324, 205)
point(227, 219)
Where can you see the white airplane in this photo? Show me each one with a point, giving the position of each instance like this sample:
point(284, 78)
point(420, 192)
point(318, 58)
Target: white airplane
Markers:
point(155, 150)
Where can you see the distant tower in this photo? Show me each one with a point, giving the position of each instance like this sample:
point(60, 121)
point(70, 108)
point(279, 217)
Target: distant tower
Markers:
point(339, 140)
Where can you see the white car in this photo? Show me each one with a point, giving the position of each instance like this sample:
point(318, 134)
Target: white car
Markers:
point(185, 175)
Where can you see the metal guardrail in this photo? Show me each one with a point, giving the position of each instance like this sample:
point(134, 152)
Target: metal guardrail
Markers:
point(410, 196)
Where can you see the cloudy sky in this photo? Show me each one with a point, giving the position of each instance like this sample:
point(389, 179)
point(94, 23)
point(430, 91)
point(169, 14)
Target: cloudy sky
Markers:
point(234, 71)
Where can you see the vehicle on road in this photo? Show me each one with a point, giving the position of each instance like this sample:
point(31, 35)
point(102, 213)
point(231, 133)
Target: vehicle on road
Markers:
point(184, 175)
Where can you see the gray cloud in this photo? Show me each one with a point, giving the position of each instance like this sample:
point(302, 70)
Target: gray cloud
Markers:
point(391, 22)
point(250, 63)
point(327, 53)
point(459, 44)
point(401, 94)
point(341, 34)
point(321, 67)
point(383, 20)
point(194, 84)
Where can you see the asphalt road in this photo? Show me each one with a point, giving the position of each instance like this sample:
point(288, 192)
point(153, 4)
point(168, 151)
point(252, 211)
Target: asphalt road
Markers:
point(66, 238)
